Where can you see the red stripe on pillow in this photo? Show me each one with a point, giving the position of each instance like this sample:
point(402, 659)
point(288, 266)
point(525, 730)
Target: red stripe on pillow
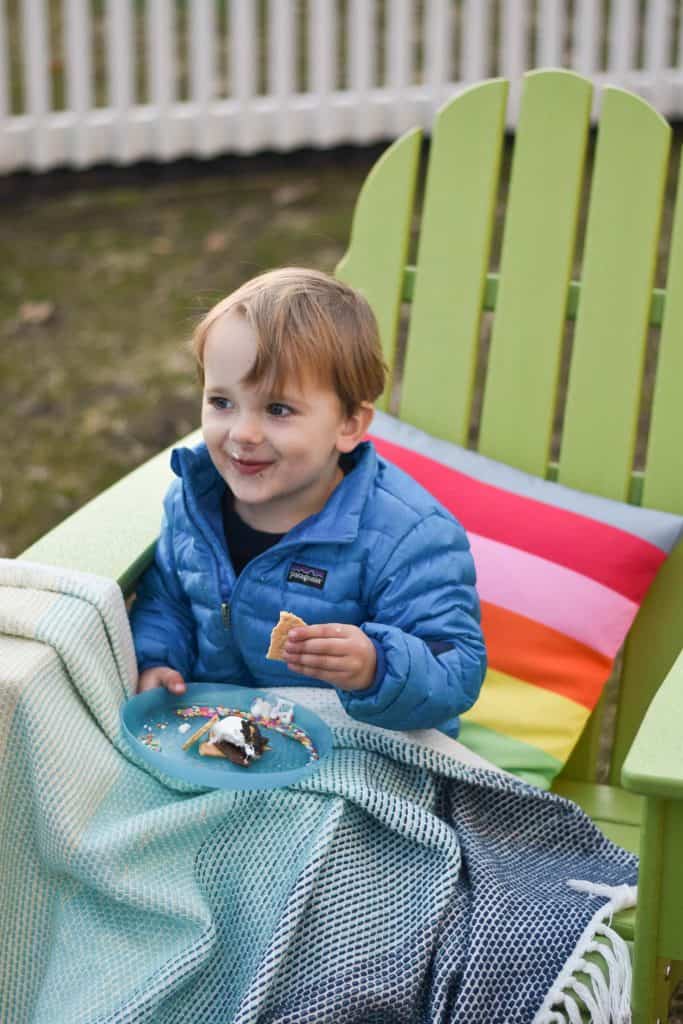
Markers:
point(619, 560)
point(539, 655)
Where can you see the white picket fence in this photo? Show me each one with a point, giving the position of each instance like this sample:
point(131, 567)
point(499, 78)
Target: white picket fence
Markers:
point(84, 82)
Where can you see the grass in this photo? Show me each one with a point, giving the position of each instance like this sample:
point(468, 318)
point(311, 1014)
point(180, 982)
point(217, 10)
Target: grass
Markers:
point(98, 378)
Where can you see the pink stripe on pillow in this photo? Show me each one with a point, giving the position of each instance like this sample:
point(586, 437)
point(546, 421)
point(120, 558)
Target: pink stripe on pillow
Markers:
point(619, 560)
point(552, 595)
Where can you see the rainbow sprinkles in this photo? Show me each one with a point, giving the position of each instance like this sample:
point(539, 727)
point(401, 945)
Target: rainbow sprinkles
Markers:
point(278, 717)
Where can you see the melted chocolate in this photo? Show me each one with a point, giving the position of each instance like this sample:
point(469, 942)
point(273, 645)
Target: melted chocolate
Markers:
point(252, 735)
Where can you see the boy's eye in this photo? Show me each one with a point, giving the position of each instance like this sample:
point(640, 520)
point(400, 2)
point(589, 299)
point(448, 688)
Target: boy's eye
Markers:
point(280, 410)
point(216, 402)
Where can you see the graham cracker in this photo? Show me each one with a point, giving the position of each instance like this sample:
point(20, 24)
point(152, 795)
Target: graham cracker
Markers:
point(278, 636)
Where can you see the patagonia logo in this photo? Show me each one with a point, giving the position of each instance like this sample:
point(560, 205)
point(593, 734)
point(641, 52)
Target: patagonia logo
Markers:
point(307, 575)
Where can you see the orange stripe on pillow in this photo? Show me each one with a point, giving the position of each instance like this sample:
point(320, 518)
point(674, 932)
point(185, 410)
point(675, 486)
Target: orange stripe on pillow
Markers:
point(537, 654)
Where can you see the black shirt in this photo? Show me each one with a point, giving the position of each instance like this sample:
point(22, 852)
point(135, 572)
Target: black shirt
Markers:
point(244, 542)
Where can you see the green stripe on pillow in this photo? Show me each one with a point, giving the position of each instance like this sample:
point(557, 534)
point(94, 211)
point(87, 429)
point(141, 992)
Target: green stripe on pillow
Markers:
point(521, 759)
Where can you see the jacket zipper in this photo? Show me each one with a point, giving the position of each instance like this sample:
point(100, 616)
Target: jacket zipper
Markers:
point(226, 606)
point(196, 520)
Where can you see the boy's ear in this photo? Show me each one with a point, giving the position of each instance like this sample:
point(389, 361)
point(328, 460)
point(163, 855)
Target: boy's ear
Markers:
point(355, 427)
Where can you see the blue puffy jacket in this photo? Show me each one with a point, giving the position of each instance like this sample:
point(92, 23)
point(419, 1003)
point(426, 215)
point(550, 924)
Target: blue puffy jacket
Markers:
point(382, 554)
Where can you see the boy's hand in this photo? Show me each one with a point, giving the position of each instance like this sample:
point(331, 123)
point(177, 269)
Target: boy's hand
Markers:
point(161, 675)
point(337, 653)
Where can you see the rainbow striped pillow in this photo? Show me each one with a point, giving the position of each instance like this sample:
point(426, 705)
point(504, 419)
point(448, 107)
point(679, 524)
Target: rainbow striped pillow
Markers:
point(561, 575)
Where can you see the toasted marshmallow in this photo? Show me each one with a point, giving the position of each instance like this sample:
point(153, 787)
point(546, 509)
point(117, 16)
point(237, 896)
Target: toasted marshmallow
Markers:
point(230, 729)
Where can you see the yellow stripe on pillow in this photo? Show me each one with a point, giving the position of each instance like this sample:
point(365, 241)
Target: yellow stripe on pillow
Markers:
point(529, 713)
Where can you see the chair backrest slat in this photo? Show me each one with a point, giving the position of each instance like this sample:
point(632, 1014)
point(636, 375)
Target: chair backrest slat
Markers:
point(454, 247)
point(380, 236)
point(536, 265)
point(663, 484)
point(622, 233)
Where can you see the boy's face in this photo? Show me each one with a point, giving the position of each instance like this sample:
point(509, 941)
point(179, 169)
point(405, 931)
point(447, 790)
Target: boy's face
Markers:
point(278, 453)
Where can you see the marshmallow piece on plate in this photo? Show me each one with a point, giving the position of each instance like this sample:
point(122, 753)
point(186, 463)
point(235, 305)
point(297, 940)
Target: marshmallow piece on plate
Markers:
point(261, 708)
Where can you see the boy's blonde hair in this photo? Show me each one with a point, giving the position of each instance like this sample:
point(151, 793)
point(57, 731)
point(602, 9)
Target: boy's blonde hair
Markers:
point(306, 322)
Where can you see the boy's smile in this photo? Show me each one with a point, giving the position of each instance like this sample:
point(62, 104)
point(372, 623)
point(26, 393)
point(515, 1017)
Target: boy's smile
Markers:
point(278, 453)
point(248, 468)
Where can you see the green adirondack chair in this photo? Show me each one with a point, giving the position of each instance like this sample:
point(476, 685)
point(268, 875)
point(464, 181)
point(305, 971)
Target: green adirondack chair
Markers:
point(531, 298)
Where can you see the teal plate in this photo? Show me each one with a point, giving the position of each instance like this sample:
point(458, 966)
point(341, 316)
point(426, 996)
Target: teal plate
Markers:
point(150, 725)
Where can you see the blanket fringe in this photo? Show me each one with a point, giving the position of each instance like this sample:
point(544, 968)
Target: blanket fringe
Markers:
point(607, 1000)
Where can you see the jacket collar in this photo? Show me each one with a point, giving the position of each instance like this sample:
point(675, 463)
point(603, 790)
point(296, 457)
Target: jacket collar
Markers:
point(338, 520)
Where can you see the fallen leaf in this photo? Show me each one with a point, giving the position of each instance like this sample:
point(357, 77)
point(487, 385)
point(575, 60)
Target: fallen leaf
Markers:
point(36, 313)
point(216, 241)
point(95, 421)
point(161, 246)
point(288, 194)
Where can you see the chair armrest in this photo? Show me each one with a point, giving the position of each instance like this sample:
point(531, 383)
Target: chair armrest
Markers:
point(114, 534)
point(654, 765)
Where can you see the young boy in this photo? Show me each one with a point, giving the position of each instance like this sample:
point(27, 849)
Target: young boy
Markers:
point(285, 507)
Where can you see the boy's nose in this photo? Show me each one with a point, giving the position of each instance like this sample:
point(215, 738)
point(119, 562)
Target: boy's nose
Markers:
point(246, 429)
